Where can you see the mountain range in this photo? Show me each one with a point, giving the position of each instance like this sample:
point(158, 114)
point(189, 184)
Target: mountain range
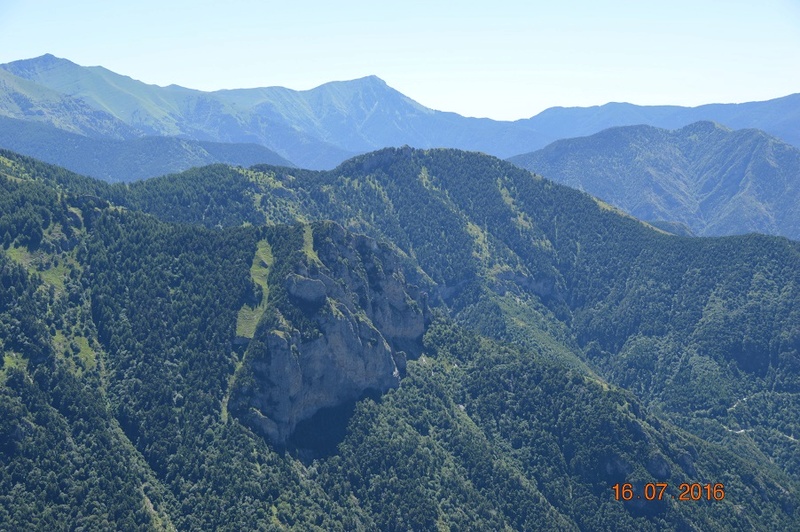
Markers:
point(321, 127)
point(417, 339)
point(129, 159)
point(704, 176)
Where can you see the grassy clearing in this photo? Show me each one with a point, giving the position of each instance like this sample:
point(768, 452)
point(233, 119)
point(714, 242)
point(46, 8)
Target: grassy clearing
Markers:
point(425, 179)
point(55, 276)
point(481, 250)
point(522, 220)
point(248, 316)
point(86, 358)
point(12, 360)
point(52, 275)
point(10, 169)
point(308, 244)
point(86, 353)
point(20, 256)
point(231, 380)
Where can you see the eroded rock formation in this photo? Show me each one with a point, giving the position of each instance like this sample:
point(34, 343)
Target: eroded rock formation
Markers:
point(359, 321)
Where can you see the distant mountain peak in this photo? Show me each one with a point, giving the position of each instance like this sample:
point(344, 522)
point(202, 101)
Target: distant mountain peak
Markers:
point(47, 60)
point(371, 81)
point(372, 78)
point(705, 126)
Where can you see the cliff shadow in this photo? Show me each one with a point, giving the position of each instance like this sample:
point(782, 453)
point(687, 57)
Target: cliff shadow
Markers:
point(320, 435)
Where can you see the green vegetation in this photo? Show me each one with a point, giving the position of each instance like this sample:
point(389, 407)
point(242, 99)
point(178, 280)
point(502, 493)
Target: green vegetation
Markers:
point(132, 159)
point(250, 314)
point(703, 177)
point(568, 349)
point(308, 245)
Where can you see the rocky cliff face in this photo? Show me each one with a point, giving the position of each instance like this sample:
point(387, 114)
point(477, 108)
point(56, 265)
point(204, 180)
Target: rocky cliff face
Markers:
point(342, 322)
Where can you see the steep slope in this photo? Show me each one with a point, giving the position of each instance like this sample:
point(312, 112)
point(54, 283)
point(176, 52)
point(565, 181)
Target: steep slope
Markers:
point(125, 160)
point(714, 180)
point(63, 455)
point(525, 260)
point(513, 432)
point(148, 108)
point(26, 100)
point(332, 332)
point(170, 111)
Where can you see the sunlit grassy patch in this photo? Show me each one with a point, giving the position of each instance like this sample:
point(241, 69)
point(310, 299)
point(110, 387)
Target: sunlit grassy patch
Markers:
point(248, 316)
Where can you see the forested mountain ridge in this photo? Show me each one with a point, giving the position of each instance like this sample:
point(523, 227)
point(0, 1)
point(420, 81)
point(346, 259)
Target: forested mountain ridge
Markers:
point(126, 160)
point(321, 127)
point(705, 176)
point(120, 338)
point(509, 234)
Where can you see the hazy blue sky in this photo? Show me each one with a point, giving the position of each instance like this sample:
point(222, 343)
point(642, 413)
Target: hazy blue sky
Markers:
point(501, 59)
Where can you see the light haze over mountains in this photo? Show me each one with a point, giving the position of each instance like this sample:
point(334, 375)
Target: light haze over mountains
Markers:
point(322, 127)
point(713, 180)
point(702, 177)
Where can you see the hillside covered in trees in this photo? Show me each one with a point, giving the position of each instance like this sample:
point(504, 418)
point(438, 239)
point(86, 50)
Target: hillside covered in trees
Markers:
point(704, 176)
point(523, 349)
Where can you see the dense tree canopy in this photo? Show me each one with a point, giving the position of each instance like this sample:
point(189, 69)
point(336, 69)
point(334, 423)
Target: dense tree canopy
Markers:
point(572, 349)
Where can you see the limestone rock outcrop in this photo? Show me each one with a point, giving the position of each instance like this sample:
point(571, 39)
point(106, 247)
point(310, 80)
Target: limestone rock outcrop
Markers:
point(356, 320)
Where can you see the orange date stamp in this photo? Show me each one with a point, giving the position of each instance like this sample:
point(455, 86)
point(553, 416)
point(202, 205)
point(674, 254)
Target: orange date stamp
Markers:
point(657, 491)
